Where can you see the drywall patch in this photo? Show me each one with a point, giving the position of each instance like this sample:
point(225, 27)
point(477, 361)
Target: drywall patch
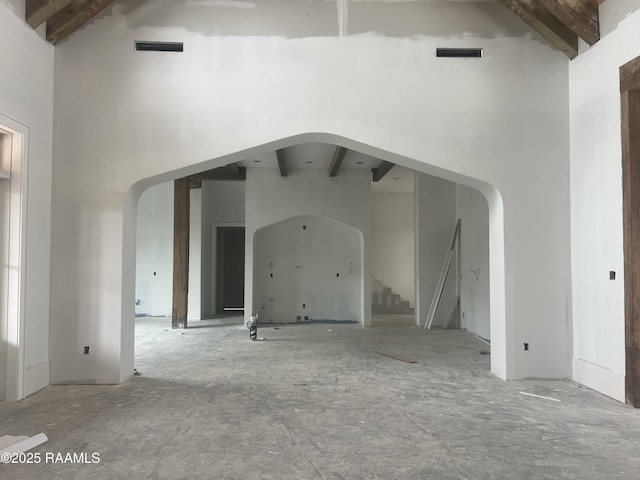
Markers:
point(343, 17)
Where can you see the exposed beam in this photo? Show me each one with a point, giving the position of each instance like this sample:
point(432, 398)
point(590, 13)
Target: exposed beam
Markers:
point(336, 162)
point(282, 163)
point(71, 18)
point(181, 213)
point(232, 168)
point(382, 170)
point(39, 11)
point(546, 24)
point(220, 173)
point(581, 16)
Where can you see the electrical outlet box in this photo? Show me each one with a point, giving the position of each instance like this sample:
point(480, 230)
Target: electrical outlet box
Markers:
point(86, 350)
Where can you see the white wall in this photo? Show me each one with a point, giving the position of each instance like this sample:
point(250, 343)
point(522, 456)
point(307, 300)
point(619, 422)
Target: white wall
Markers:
point(17, 7)
point(596, 214)
point(122, 117)
point(195, 255)
point(154, 252)
point(271, 199)
point(26, 97)
point(223, 204)
point(392, 242)
point(435, 219)
point(473, 212)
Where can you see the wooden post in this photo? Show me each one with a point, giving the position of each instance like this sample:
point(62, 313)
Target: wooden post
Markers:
point(630, 107)
point(631, 216)
point(181, 207)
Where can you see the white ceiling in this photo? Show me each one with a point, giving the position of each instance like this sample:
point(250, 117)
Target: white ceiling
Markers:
point(319, 156)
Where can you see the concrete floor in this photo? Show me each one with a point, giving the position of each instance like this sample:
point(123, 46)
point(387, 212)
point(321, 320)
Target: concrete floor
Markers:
point(316, 402)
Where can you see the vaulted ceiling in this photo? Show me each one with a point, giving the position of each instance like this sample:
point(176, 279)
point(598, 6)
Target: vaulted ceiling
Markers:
point(560, 22)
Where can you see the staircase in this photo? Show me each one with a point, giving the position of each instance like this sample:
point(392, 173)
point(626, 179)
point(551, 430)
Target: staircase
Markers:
point(386, 301)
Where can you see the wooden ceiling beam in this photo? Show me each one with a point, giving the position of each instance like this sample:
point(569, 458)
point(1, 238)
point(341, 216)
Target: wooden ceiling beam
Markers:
point(336, 162)
point(582, 17)
point(72, 17)
point(534, 13)
point(282, 163)
point(39, 11)
point(382, 170)
point(233, 168)
point(220, 173)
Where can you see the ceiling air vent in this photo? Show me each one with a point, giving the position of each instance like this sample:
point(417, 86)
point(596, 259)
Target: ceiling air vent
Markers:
point(159, 46)
point(459, 52)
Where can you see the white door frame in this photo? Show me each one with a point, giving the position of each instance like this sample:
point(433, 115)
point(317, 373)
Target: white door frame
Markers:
point(16, 165)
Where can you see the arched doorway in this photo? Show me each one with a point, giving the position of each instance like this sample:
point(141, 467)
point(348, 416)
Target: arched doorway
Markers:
point(498, 327)
point(307, 268)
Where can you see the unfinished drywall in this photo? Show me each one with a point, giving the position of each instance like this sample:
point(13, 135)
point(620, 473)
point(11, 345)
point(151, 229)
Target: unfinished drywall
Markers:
point(435, 220)
point(596, 215)
point(345, 199)
point(195, 255)
point(154, 253)
point(17, 7)
point(26, 84)
point(473, 212)
point(307, 268)
point(392, 242)
point(612, 12)
point(223, 205)
point(125, 119)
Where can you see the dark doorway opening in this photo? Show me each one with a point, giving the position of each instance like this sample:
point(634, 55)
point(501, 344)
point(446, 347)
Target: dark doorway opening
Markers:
point(230, 271)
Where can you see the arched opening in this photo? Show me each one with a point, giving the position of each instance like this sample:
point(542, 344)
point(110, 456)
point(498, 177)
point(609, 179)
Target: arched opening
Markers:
point(477, 192)
point(308, 268)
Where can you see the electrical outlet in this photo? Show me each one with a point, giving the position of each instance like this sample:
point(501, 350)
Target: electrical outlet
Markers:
point(526, 347)
point(612, 275)
point(86, 350)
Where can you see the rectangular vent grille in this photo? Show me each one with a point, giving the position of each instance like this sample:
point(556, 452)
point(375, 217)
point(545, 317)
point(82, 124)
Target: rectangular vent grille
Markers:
point(159, 46)
point(459, 52)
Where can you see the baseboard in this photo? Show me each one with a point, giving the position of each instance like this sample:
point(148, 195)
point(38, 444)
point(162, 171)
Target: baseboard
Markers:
point(599, 378)
point(36, 377)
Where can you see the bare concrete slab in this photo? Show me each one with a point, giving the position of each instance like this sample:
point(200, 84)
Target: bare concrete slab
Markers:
point(316, 402)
